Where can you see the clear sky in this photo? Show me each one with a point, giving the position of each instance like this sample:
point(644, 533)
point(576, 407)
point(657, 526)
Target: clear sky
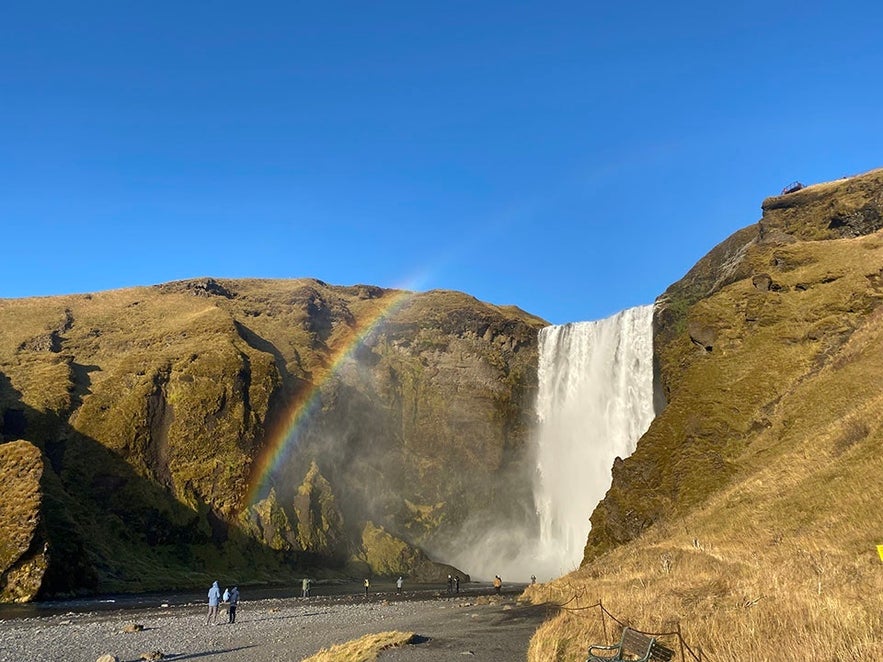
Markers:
point(571, 158)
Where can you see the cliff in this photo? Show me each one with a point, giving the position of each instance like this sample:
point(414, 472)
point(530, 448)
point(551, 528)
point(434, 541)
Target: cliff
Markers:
point(139, 424)
point(767, 314)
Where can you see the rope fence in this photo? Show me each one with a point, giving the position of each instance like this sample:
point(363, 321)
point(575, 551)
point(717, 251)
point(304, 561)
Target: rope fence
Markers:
point(604, 615)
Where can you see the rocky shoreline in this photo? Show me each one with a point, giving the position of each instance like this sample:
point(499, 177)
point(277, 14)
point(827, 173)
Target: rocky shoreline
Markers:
point(488, 627)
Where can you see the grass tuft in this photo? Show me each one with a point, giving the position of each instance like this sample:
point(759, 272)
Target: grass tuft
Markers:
point(363, 649)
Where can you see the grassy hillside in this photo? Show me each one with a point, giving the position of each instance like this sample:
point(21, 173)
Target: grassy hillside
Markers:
point(154, 411)
point(750, 511)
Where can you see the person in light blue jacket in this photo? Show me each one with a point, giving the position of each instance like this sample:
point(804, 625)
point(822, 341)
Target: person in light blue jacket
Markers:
point(214, 597)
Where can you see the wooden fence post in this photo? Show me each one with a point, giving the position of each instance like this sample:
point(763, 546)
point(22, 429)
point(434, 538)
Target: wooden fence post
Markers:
point(603, 622)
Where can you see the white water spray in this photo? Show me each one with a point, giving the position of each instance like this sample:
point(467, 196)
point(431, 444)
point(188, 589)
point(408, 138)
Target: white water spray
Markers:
point(595, 401)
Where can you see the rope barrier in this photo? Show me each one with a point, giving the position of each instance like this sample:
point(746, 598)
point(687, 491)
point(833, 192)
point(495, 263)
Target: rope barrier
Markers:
point(603, 611)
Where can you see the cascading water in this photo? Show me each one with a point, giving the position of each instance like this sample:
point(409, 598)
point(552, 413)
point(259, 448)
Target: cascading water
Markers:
point(595, 400)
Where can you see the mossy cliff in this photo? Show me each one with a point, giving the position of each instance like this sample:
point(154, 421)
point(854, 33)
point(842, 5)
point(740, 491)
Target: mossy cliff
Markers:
point(767, 314)
point(22, 530)
point(148, 409)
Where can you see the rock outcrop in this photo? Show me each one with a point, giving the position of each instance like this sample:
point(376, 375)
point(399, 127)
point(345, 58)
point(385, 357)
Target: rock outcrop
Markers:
point(23, 548)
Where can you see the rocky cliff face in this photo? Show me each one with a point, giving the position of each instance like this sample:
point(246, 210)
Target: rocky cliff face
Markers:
point(144, 413)
point(765, 315)
point(22, 529)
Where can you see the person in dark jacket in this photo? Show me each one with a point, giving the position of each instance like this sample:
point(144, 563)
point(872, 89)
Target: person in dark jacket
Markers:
point(234, 600)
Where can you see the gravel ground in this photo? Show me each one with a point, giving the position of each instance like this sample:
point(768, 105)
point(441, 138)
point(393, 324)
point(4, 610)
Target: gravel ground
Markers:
point(455, 628)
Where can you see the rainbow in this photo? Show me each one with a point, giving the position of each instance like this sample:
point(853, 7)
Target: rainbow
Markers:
point(299, 412)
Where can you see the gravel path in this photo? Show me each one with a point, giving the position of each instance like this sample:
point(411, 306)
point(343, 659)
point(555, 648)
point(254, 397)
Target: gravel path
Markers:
point(492, 628)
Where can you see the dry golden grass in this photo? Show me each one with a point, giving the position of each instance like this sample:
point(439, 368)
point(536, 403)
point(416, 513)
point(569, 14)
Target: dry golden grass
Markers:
point(837, 184)
point(363, 649)
point(770, 601)
point(741, 584)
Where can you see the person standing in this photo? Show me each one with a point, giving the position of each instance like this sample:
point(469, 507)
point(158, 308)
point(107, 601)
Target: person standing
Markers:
point(234, 600)
point(214, 597)
point(498, 584)
point(367, 584)
point(305, 587)
point(450, 584)
point(456, 583)
point(399, 583)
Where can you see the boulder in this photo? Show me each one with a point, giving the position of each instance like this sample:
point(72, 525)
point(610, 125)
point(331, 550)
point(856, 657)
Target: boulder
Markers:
point(23, 545)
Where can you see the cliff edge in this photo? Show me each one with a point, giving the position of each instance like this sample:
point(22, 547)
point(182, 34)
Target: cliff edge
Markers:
point(766, 314)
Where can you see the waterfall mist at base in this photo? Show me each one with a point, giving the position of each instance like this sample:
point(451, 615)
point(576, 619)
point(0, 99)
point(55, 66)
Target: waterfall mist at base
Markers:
point(595, 400)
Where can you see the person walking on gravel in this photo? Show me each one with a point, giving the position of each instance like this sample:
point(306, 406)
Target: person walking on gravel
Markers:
point(214, 597)
point(234, 600)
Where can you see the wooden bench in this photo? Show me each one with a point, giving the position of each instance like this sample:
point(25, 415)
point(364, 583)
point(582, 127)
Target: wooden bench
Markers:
point(638, 647)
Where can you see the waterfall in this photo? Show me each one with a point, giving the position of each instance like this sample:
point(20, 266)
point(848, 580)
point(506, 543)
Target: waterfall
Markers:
point(595, 400)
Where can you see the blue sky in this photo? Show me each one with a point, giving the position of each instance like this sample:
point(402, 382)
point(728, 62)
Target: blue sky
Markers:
point(571, 158)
